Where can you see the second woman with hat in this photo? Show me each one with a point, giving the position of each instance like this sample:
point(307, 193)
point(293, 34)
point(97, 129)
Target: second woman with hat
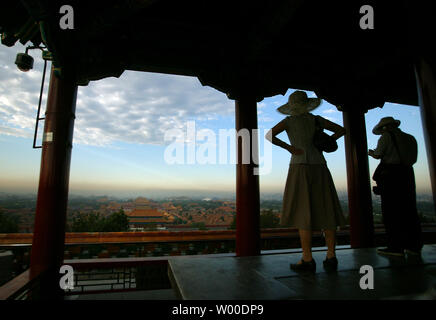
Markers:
point(395, 178)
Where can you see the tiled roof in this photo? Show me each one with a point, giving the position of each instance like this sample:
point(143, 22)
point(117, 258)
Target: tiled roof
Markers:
point(154, 220)
point(145, 213)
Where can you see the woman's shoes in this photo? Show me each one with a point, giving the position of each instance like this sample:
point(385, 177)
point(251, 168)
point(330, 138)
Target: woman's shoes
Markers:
point(304, 266)
point(330, 264)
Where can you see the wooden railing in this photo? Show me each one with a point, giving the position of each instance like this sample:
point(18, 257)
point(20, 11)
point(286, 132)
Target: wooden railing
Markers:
point(88, 269)
point(145, 236)
point(162, 236)
point(119, 274)
point(21, 287)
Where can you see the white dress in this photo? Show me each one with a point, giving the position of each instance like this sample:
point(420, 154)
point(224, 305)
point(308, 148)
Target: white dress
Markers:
point(310, 200)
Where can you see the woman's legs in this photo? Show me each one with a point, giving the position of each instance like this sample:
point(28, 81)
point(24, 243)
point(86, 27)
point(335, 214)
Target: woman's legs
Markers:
point(306, 244)
point(330, 240)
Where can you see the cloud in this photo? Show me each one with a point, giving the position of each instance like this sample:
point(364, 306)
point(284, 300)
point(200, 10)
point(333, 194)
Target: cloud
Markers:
point(19, 93)
point(261, 105)
point(331, 119)
point(16, 132)
point(138, 107)
point(329, 111)
point(265, 119)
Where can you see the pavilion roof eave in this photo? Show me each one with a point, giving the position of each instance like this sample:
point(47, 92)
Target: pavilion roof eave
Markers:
point(262, 63)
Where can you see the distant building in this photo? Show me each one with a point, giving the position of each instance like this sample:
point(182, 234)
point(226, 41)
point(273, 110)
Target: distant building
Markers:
point(114, 206)
point(142, 203)
point(103, 200)
point(139, 218)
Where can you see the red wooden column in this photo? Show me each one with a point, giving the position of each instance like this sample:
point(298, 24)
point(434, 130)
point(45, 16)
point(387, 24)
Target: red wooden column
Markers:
point(47, 252)
point(358, 179)
point(247, 183)
point(425, 70)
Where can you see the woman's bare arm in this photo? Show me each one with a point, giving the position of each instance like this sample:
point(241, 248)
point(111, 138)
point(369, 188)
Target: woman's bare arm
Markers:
point(333, 127)
point(372, 154)
point(276, 130)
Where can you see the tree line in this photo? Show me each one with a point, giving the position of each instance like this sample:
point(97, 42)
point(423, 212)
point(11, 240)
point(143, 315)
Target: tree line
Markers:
point(95, 222)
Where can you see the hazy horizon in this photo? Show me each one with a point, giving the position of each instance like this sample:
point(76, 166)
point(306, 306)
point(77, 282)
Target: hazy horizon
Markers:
point(159, 193)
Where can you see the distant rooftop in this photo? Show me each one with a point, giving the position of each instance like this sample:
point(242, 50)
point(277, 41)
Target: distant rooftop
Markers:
point(145, 213)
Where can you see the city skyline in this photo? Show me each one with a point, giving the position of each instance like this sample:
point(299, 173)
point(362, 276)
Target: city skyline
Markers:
point(119, 145)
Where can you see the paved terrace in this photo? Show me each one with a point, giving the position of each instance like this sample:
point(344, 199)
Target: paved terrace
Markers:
point(268, 277)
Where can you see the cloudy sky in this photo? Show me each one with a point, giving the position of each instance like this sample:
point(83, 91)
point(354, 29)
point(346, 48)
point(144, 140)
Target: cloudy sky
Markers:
point(119, 138)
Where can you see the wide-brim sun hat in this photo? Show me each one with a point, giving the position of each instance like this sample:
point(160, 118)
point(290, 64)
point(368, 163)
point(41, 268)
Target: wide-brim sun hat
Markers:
point(378, 129)
point(298, 103)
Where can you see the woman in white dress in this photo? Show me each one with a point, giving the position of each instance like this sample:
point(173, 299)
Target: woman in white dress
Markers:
point(310, 200)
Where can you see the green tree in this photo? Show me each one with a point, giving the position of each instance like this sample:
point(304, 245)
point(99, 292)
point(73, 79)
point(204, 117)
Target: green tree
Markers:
point(269, 219)
point(8, 224)
point(116, 222)
point(94, 222)
point(179, 221)
point(87, 222)
point(233, 224)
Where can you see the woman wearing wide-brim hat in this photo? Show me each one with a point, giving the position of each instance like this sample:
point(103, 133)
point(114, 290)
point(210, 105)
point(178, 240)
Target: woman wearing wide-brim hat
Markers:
point(310, 200)
point(395, 178)
point(383, 124)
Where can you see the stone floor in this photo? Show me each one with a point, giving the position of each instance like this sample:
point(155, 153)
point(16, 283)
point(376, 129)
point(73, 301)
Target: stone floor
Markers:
point(164, 294)
point(268, 277)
